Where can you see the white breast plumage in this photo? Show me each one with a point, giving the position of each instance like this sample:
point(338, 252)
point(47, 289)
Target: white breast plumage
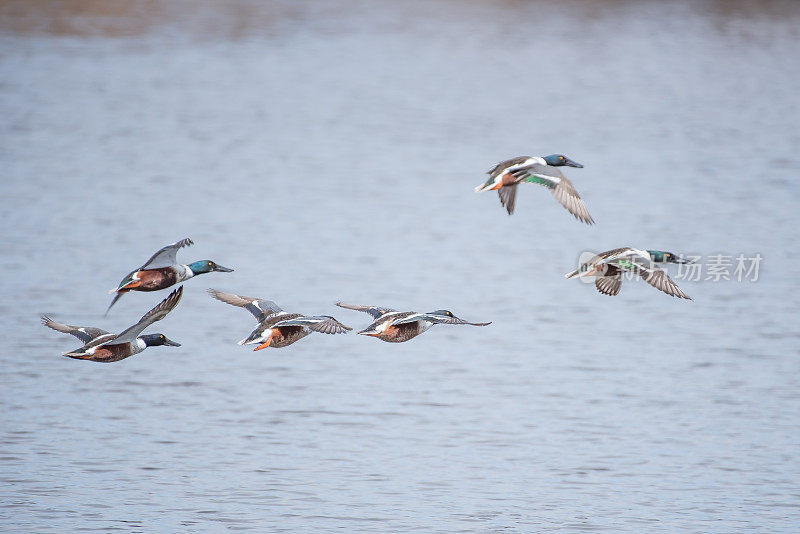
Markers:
point(184, 272)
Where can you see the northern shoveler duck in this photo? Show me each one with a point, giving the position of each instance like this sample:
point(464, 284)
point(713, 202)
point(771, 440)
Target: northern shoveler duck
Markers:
point(277, 328)
point(162, 270)
point(507, 175)
point(396, 327)
point(102, 346)
point(608, 268)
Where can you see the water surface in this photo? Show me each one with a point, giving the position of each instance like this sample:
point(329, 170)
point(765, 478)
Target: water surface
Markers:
point(328, 152)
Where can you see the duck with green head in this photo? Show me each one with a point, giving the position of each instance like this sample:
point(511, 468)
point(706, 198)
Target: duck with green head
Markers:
point(609, 266)
point(507, 175)
point(102, 346)
point(395, 327)
point(162, 270)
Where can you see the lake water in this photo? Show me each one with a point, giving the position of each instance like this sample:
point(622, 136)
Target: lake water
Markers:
point(328, 151)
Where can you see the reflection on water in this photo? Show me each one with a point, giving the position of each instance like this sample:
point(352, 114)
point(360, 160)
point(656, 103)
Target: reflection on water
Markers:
point(328, 152)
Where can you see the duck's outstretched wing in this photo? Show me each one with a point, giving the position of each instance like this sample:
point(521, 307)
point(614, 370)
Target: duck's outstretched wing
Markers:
point(659, 279)
point(324, 324)
point(508, 197)
point(374, 311)
point(84, 333)
point(104, 339)
point(643, 266)
point(81, 353)
point(507, 164)
point(568, 197)
point(436, 319)
point(609, 285)
point(166, 257)
point(260, 308)
point(114, 301)
point(156, 314)
point(559, 185)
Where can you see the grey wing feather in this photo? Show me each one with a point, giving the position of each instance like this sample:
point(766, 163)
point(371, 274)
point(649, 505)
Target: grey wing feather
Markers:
point(611, 253)
point(166, 257)
point(503, 165)
point(374, 311)
point(437, 319)
point(568, 197)
point(660, 280)
point(508, 197)
point(653, 275)
point(560, 186)
point(324, 324)
point(406, 317)
point(609, 285)
point(156, 314)
point(260, 308)
point(455, 320)
point(84, 333)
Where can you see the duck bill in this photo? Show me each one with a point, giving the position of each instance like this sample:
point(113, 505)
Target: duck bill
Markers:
point(372, 333)
point(571, 163)
point(171, 343)
point(221, 269)
point(681, 260)
point(266, 343)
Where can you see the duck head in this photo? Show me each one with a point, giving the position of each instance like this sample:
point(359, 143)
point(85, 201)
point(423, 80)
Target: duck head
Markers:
point(447, 317)
point(560, 160)
point(369, 332)
point(207, 266)
point(665, 257)
point(154, 340)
